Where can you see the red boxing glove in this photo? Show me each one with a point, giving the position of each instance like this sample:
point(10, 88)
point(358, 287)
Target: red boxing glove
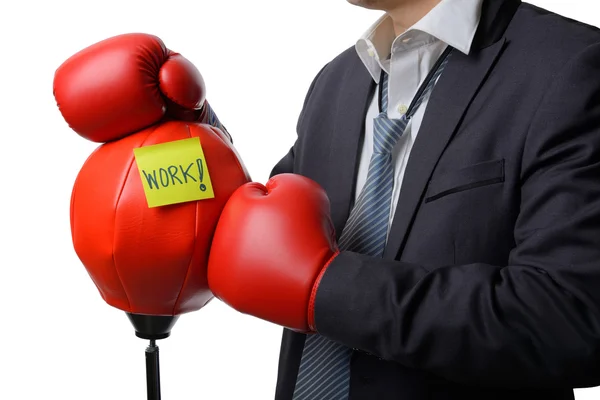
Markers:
point(126, 83)
point(270, 249)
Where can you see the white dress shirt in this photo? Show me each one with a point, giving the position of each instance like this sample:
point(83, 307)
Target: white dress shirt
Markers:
point(408, 60)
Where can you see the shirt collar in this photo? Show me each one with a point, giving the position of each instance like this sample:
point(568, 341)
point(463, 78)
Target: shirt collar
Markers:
point(453, 22)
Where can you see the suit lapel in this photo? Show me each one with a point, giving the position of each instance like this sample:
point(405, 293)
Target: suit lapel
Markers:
point(448, 102)
point(353, 101)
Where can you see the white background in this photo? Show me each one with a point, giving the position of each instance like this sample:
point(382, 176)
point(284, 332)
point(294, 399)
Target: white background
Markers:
point(59, 340)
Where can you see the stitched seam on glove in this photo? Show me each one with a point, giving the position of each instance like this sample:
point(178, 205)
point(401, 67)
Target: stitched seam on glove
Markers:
point(313, 294)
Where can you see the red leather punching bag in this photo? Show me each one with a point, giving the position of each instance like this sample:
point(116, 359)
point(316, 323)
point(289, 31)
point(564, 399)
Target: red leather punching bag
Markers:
point(149, 261)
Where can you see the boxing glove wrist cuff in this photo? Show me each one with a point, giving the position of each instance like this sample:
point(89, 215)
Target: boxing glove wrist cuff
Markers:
point(313, 294)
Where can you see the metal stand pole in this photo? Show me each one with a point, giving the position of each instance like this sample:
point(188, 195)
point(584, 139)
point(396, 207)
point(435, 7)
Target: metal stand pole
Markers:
point(153, 328)
point(152, 371)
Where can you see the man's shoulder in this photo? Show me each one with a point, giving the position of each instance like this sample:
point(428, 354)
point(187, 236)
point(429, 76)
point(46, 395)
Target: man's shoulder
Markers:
point(342, 61)
point(335, 72)
point(346, 56)
point(538, 28)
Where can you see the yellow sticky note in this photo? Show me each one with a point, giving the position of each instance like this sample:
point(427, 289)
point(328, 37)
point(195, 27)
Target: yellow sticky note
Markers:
point(174, 172)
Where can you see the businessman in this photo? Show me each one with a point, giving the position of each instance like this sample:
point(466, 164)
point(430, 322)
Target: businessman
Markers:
point(456, 147)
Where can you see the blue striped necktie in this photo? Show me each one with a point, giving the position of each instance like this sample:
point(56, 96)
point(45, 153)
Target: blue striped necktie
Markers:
point(324, 372)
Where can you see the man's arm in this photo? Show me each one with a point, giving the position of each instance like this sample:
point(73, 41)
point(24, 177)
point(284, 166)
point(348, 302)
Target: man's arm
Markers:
point(208, 116)
point(532, 323)
point(286, 164)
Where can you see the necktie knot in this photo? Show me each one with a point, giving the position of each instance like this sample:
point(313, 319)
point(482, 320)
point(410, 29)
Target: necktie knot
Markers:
point(387, 132)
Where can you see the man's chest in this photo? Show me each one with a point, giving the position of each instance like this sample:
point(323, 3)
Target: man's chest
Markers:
point(467, 206)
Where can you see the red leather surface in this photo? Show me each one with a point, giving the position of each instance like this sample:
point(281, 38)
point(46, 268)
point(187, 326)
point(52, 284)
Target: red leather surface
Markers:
point(113, 88)
point(149, 260)
point(182, 83)
point(269, 247)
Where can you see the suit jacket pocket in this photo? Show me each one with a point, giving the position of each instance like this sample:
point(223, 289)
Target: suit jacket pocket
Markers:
point(470, 177)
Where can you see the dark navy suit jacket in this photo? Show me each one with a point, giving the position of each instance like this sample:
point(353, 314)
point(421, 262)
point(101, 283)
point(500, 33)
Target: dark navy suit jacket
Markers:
point(489, 287)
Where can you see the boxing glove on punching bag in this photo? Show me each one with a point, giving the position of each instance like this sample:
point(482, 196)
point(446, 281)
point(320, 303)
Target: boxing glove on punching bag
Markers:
point(130, 91)
point(125, 83)
point(143, 260)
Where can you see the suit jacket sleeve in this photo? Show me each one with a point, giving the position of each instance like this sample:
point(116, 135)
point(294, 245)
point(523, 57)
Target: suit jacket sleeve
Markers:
point(532, 323)
point(286, 164)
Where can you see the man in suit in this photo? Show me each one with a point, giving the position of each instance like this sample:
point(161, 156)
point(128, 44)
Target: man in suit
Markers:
point(487, 285)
